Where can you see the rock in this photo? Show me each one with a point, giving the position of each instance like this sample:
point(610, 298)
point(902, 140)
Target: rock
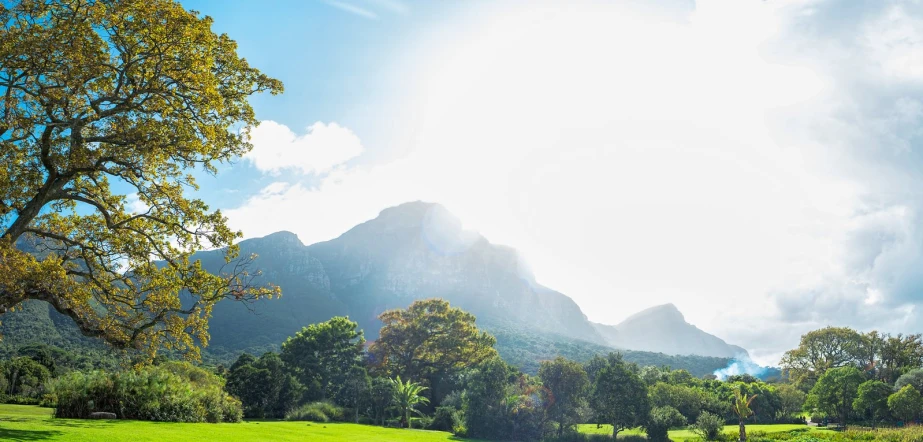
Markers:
point(102, 415)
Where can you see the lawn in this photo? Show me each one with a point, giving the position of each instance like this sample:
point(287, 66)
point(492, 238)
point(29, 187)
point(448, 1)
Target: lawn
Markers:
point(29, 423)
point(687, 435)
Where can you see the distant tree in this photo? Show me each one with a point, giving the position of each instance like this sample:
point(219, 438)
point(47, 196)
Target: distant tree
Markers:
point(381, 399)
point(429, 340)
point(355, 390)
point(897, 355)
point(745, 378)
point(913, 377)
point(41, 354)
point(104, 99)
point(741, 408)
point(619, 396)
point(568, 384)
point(407, 397)
point(264, 386)
point(486, 390)
point(688, 400)
point(906, 404)
point(872, 400)
point(791, 401)
point(24, 376)
point(819, 351)
point(321, 355)
point(661, 420)
point(835, 392)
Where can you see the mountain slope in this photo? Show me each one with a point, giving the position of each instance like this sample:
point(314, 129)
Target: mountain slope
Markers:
point(409, 252)
point(664, 329)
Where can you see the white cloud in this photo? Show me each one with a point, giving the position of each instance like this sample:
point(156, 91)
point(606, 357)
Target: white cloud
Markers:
point(134, 204)
point(323, 147)
point(352, 9)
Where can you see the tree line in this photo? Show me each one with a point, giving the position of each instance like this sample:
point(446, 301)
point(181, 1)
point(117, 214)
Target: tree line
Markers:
point(871, 378)
point(433, 368)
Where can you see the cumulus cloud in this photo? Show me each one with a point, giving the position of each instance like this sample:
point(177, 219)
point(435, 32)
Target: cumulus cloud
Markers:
point(320, 149)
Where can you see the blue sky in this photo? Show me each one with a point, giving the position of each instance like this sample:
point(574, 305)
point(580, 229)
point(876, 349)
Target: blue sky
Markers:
point(728, 156)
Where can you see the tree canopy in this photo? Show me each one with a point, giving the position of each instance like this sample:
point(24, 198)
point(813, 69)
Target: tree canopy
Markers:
point(429, 339)
point(323, 354)
point(619, 396)
point(101, 100)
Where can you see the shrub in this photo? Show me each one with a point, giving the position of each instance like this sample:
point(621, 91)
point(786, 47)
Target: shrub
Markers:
point(660, 421)
point(316, 412)
point(708, 426)
point(445, 419)
point(172, 392)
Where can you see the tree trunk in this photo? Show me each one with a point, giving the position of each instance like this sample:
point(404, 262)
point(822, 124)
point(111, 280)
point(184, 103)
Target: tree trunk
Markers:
point(743, 431)
point(615, 432)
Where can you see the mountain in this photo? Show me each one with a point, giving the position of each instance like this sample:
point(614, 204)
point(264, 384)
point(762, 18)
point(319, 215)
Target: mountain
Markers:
point(409, 252)
point(413, 251)
point(663, 329)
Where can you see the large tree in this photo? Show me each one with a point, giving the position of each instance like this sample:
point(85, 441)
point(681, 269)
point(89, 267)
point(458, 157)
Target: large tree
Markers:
point(619, 396)
point(101, 100)
point(821, 350)
point(835, 392)
point(322, 355)
point(428, 341)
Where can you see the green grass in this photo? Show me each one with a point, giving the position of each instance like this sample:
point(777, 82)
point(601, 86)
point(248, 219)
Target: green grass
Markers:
point(688, 435)
point(30, 423)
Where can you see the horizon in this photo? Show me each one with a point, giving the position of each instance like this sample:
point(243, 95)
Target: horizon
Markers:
point(625, 150)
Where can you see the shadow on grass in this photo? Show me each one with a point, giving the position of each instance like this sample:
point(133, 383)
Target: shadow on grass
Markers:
point(27, 435)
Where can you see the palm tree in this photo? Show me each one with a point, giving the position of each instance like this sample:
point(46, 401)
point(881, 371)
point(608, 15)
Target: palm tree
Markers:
point(742, 409)
point(407, 397)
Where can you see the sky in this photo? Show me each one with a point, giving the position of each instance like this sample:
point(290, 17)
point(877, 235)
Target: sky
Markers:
point(755, 163)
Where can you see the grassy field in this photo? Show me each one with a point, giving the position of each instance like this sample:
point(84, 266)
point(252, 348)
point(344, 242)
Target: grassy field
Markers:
point(29, 423)
point(687, 435)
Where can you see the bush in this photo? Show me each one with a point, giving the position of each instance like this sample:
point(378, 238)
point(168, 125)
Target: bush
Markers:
point(708, 426)
point(661, 420)
point(316, 412)
point(172, 392)
point(445, 419)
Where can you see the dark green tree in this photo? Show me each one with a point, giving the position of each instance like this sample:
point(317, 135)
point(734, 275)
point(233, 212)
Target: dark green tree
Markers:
point(568, 384)
point(660, 421)
point(906, 404)
point(619, 396)
point(835, 392)
point(872, 400)
point(321, 355)
point(264, 386)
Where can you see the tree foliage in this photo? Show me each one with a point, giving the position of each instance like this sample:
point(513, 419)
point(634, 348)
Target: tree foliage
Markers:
point(264, 386)
point(429, 340)
point(619, 396)
point(100, 95)
point(835, 392)
point(407, 397)
point(906, 404)
point(872, 400)
point(568, 384)
point(323, 354)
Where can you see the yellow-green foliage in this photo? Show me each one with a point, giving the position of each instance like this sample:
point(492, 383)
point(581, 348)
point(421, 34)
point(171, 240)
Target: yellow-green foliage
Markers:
point(134, 92)
point(175, 391)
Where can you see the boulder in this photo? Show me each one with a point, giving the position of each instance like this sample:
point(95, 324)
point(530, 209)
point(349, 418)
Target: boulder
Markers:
point(102, 415)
